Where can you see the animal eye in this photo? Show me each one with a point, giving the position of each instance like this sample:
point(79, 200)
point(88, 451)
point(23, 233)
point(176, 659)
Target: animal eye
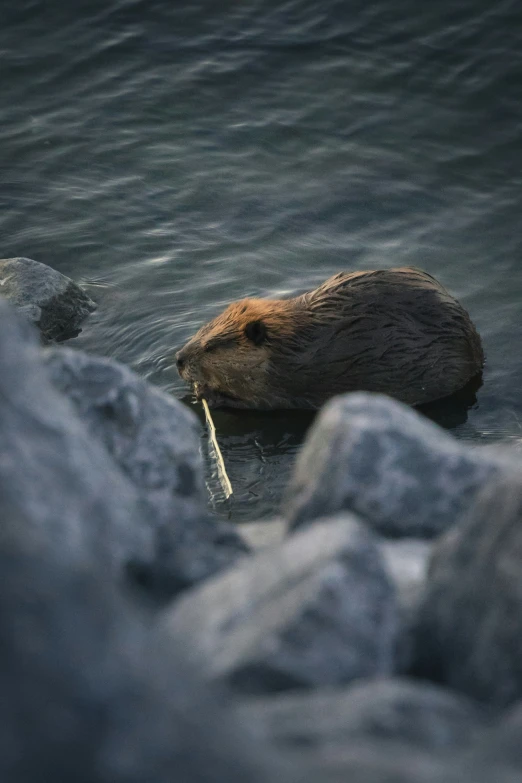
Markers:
point(255, 331)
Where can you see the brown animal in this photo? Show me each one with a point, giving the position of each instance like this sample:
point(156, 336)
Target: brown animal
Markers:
point(396, 331)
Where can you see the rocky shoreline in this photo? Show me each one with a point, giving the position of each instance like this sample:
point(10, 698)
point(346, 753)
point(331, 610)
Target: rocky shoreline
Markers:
point(376, 637)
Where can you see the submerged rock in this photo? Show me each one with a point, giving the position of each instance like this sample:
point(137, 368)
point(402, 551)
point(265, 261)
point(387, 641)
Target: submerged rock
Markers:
point(374, 456)
point(317, 610)
point(154, 440)
point(50, 300)
point(392, 710)
point(469, 627)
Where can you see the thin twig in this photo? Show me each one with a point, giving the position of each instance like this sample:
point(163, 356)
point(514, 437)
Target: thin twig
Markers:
point(225, 481)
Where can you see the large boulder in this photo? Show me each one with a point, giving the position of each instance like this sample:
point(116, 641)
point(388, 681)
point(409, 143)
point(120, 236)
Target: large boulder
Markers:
point(469, 626)
point(384, 710)
point(406, 562)
point(91, 694)
point(376, 457)
point(50, 300)
point(317, 610)
point(60, 484)
point(154, 440)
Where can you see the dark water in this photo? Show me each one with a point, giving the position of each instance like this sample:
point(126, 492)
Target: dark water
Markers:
point(175, 157)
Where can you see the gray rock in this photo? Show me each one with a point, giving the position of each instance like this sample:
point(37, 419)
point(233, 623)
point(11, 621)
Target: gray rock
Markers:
point(380, 459)
point(92, 694)
point(152, 437)
point(50, 300)
point(54, 477)
point(394, 710)
point(469, 626)
point(154, 440)
point(260, 535)
point(501, 743)
point(316, 610)
point(407, 563)
point(373, 762)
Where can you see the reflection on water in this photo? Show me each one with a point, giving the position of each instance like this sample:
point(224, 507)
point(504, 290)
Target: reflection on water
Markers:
point(175, 157)
point(452, 412)
point(260, 449)
point(262, 446)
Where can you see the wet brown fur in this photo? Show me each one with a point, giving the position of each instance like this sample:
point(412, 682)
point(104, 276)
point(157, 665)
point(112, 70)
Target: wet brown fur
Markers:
point(396, 331)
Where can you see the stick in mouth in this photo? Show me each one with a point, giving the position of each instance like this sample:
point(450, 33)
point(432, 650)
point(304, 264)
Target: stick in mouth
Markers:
point(225, 481)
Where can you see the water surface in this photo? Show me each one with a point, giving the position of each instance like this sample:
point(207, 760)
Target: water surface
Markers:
point(174, 157)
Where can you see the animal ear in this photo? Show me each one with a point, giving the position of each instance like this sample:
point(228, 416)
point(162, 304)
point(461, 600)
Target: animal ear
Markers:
point(255, 331)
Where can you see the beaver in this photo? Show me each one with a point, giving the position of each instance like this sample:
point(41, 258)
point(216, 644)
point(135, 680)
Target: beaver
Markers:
point(394, 331)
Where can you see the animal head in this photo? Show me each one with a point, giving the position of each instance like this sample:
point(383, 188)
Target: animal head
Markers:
point(228, 360)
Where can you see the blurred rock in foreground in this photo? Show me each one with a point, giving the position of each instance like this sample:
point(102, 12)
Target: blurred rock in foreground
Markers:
point(154, 440)
point(469, 627)
point(317, 610)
